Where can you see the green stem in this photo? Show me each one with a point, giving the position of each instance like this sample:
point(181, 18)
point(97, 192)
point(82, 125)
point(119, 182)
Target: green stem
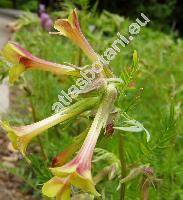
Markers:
point(43, 152)
point(44, 155)
point(123, 165)
point(79, 58)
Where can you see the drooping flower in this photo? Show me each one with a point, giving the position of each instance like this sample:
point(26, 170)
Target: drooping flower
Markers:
point(78, 170)
point(21, 136)
point(71, 28)
point(22, 60)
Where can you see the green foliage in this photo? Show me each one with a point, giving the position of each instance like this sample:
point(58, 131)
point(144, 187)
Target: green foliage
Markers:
point(154, 97)
point(28, 5)
point(6, 4)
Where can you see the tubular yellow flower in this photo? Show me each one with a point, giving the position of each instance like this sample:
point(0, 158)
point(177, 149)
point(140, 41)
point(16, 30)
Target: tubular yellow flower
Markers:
point(23, 60)
point(78, 170)
point(71, 28)
point(21, 136)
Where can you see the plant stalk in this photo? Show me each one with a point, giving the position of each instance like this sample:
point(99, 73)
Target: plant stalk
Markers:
point(44, 155)
point(123, 165)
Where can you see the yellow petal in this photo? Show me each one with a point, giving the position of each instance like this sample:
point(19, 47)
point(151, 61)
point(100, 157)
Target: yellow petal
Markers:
point(12, 134)
point(12, 53)
point(85, 184)
point(15, 72)
point(63, 171)
point(53, 186)
point(64, 193)
point(19, 140)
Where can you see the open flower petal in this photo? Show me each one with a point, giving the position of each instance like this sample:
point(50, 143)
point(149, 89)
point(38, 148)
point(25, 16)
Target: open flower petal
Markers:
point(18, 139)
point(70, 28)
point(82, 181)
point(23, 60)
point(57, 187)
point(85, 184)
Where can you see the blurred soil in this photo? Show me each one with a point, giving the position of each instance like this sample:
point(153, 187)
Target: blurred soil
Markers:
point(10, 185)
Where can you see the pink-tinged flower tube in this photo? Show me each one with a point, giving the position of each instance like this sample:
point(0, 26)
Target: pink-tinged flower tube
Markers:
point(21, 136)
point(78, 170)
point(71, 28)
point(22, 60)
point(65, 155)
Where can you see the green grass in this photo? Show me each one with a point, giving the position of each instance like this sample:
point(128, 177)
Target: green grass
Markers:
point(155, 100)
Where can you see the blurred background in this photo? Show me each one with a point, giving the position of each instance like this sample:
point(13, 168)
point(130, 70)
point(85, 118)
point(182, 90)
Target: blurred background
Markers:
point(166, 15)
point(155, 97)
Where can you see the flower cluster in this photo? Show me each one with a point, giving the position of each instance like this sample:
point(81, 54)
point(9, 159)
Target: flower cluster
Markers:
point(77, 171)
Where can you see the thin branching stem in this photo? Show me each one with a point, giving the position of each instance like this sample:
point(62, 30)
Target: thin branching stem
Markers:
point(44, 155)
point(123, 165)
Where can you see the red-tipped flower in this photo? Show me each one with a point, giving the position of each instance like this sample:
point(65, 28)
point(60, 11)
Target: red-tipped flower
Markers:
point(22, 60)
point(71, 28)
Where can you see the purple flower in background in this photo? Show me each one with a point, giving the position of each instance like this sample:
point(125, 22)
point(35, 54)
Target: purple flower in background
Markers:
point(42, 8)
point(45, 19)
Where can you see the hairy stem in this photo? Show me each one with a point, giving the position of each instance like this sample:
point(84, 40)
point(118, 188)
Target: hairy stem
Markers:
point(144, 192)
